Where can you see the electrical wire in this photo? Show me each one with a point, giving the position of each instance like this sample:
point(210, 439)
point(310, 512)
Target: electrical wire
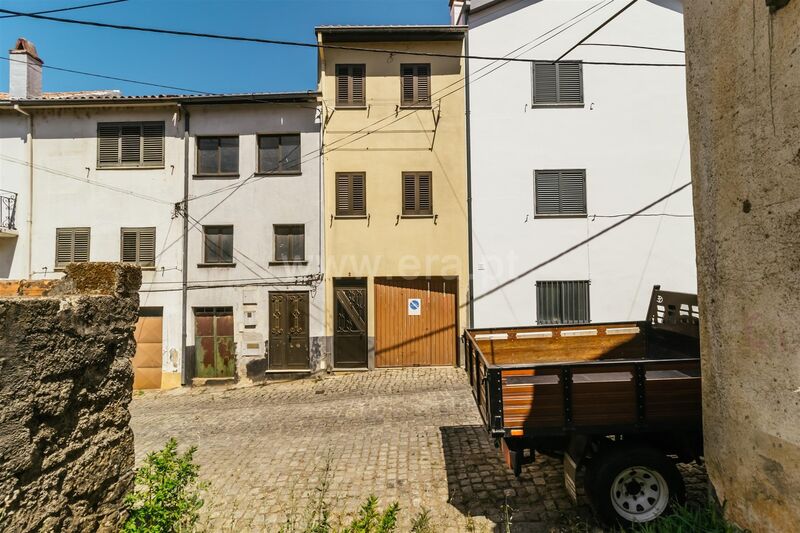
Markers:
point(278, 42)
point(85, 6)
point(115, 78)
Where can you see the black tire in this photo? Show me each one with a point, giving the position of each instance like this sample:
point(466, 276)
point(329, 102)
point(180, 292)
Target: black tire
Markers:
point(642, 467)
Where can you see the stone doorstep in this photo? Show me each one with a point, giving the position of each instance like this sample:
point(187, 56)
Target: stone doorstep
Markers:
point(212, 382)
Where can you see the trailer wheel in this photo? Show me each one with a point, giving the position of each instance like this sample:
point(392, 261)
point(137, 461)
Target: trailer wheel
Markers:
point(632, 484)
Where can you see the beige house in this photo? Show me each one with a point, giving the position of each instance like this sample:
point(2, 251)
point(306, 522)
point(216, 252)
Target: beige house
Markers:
point(395, 192)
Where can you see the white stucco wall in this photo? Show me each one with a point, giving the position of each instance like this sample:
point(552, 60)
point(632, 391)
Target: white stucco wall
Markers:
point(69, 191)
point(630, 136)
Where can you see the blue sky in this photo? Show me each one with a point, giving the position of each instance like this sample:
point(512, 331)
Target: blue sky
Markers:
point(193, 63)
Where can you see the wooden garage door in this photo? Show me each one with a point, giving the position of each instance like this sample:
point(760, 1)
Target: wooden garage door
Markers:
point(147, 361)
point(421, 332)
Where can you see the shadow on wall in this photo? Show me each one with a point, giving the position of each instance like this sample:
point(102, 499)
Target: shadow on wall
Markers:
point(7, 248)
point(480, 484)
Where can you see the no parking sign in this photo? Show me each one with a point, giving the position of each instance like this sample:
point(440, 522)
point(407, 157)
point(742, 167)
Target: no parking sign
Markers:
point(414, 306)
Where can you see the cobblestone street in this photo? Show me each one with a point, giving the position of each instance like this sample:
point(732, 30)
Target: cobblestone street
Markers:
point(407, 435)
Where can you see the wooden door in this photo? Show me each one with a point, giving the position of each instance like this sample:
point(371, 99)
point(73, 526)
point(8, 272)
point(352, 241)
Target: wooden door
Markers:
point(215, 350)
point(147, 360)
point(350, 323)
point(415, 322)
point(288, 331)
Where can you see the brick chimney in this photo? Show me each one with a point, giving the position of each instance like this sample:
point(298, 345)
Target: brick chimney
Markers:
point(25, 71)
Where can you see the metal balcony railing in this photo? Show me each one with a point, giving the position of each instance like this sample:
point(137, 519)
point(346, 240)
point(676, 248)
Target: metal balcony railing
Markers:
point(8, 209)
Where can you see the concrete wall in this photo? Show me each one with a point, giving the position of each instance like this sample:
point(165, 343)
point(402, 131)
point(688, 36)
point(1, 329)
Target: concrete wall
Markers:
point(744, 89)
point(630, 135)
point(384, 243)
point(66, 450)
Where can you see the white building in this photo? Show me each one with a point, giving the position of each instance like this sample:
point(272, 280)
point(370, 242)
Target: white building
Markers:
point(101, 177)
point(561, 153)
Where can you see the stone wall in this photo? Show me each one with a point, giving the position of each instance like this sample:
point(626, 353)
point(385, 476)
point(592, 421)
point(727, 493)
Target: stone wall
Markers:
point(66, 449)
point(744, 113)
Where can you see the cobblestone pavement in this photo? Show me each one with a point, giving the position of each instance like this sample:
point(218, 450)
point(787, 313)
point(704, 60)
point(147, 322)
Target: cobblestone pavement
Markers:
point(406, 435)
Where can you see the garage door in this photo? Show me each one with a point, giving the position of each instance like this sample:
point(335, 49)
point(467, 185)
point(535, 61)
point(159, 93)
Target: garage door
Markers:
point(147, 361)
point(415, 322)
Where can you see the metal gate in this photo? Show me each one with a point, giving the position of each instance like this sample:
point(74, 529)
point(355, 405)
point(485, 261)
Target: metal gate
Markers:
point(147, 360)
point(215, 350)
point(415, 322)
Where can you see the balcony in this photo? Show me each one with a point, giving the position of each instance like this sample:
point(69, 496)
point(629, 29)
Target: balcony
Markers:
point(8, 212)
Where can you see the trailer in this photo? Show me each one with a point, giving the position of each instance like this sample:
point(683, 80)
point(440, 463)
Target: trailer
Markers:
point(620, 401)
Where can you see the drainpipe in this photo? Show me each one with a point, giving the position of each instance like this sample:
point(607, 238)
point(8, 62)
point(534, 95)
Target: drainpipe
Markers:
point(29, 140)
point(471, 299)
point(185, 378)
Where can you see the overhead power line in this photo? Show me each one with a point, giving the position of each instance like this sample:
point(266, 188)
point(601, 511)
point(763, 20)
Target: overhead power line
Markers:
point(115, 78)
point(316, 46)
point(85, 6)
point(601, 26)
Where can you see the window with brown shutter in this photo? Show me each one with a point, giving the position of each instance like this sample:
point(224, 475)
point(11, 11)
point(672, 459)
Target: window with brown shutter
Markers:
point(290, 243)
point(130, 144)
point(351, 85)
point(138, 245)
point(217, 156)
point(417, 194)
point(72, 246)
point(415, 85)
point(351, 199)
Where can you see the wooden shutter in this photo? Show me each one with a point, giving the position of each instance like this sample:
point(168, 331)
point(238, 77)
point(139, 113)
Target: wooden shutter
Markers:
point(547, 195)
point(409, 194)
point(417, 194)
point(560, 192)
point(351, 194)
point(570, 83)
point(424, 194)
point(138, 245)
point(415, 84)
point(131, 143)
point(350, 85)
point(152, 143)
point(573, 192)
point(545, 87)
point(108, 150)
point(72, 246)
point(129, 245)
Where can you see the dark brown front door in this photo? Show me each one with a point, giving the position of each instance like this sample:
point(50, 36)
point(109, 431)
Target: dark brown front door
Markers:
point(350, 323)
point(288, 331)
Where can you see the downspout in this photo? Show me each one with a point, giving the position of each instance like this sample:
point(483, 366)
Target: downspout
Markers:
point(471, 299)
point(186, 379)
point(29, 221)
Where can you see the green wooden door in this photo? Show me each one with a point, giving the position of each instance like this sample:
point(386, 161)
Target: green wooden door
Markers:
point(215, 350)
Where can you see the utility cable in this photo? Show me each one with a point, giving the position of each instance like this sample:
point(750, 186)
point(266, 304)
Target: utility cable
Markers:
point(85, 6)
point(316, 46)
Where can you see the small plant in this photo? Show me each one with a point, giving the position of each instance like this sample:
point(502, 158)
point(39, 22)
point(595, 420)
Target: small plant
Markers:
point(166, 496)
point(689, 519)
point(370, 520)
point(422, 523)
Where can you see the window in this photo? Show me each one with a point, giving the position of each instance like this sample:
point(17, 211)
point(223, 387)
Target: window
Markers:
point(560, 192)
point(290, 243)
point(130, 144)
point(217, 156)
point(350, 89)
point(562, 302)
point(558, 83)
point(351, 199)
point(417, 194)
point(218, 245)
point(72, 246)
point(279, 154)
point(415, 84)
point(138, 245)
